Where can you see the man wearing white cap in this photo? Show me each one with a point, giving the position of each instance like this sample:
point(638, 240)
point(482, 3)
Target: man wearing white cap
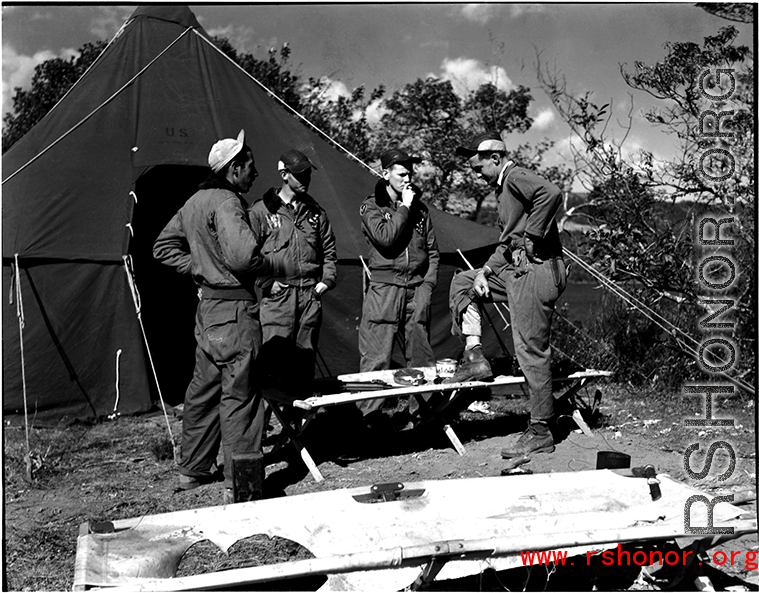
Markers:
point(211, 239)
point(527, 270)
point(299, 247)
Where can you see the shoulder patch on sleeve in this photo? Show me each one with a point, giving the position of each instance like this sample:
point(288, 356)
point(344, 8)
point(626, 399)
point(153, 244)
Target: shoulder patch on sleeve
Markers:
point(362, 210)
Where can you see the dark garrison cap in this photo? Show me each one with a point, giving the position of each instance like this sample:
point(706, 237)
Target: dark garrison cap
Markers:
point(396, 156)
point(295, 161)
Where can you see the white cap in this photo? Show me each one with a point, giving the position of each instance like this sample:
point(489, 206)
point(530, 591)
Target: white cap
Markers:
point(224, 151)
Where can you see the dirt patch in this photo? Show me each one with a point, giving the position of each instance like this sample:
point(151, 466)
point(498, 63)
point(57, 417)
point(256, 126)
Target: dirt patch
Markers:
point(124, 468)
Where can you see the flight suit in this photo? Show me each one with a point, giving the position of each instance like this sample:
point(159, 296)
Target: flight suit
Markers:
point(211, 239)
point(403, 262)
point(299, 248)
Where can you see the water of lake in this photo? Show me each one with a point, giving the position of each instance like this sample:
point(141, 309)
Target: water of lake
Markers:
point(582, 301)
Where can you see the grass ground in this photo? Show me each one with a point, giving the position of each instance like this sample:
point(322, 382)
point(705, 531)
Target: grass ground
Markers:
point(124, 468)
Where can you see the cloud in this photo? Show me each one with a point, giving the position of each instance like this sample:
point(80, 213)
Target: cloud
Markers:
point(563, 151)
point(479, 13)
point(18, 70)
point(242, 38)
point(375, 110)
point(467, 74)
point(436, 44)
point(330, 90)
point(41, 16)
point(107, 20)
point(544, 119)
point(518, 10)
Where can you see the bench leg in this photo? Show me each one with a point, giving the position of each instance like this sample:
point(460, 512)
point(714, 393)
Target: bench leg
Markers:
point(577, 417)
point(292, 435)
point(432, 414)
point(577, 403)
point(454, 439)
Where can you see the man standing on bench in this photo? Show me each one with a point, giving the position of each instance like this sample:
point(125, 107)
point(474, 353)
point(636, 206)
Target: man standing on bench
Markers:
point(403, 264)
point(527, 270)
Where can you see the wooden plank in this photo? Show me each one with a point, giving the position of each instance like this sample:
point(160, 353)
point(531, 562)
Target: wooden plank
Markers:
point(430, 374)
point(429, 387)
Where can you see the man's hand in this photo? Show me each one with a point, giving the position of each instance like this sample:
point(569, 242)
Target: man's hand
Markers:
point(407, 197)
point(529, 250)
point(277, 287)
point(480, 285)
point(320, 288)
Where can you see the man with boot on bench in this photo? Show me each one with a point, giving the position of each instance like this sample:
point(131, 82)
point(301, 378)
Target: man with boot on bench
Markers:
point(527, 270)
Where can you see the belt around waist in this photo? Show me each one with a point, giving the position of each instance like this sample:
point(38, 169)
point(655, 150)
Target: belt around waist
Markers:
point(238, 293)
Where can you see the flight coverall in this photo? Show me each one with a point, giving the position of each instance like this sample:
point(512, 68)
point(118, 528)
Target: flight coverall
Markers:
point(211, 239)
point(403, 262)
point(300, 250)
point(527, 204)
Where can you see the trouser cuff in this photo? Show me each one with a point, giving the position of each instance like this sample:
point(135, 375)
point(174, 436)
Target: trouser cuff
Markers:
point(471, 321)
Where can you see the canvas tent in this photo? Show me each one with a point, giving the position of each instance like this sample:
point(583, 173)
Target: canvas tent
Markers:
point(98, 178)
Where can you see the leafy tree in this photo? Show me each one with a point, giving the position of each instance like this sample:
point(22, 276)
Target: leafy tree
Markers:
point(741, 13)
point(644, 208)
point(343, 119)
point(494, 109)
point(428, 118)
point(51, 81)
point(274, 73)
point(425, 118)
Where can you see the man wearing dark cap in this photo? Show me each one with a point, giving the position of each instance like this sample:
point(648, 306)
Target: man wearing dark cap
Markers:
point(299, 248)
point(527, 270)
point(222, 404)
point(403, 265)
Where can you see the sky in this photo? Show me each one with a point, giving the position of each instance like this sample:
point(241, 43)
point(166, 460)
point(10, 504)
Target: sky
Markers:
point(395, 44)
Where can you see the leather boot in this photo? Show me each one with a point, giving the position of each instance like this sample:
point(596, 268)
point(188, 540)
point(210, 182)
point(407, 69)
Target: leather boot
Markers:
point(536, 439)
point(474, 367)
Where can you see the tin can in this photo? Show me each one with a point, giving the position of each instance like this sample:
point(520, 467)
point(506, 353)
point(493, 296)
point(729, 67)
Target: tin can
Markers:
point(445, 367)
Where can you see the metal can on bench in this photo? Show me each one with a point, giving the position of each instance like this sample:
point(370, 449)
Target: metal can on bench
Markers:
point(446, 367)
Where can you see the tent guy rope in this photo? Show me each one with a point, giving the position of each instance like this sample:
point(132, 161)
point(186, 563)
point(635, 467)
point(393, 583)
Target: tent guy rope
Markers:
point(605, 281)
point(20, 315)
point(138, 308)
point(290, 109)
point(116, 403)
point(91, 66)
point(94, 111)
point(679, 335)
